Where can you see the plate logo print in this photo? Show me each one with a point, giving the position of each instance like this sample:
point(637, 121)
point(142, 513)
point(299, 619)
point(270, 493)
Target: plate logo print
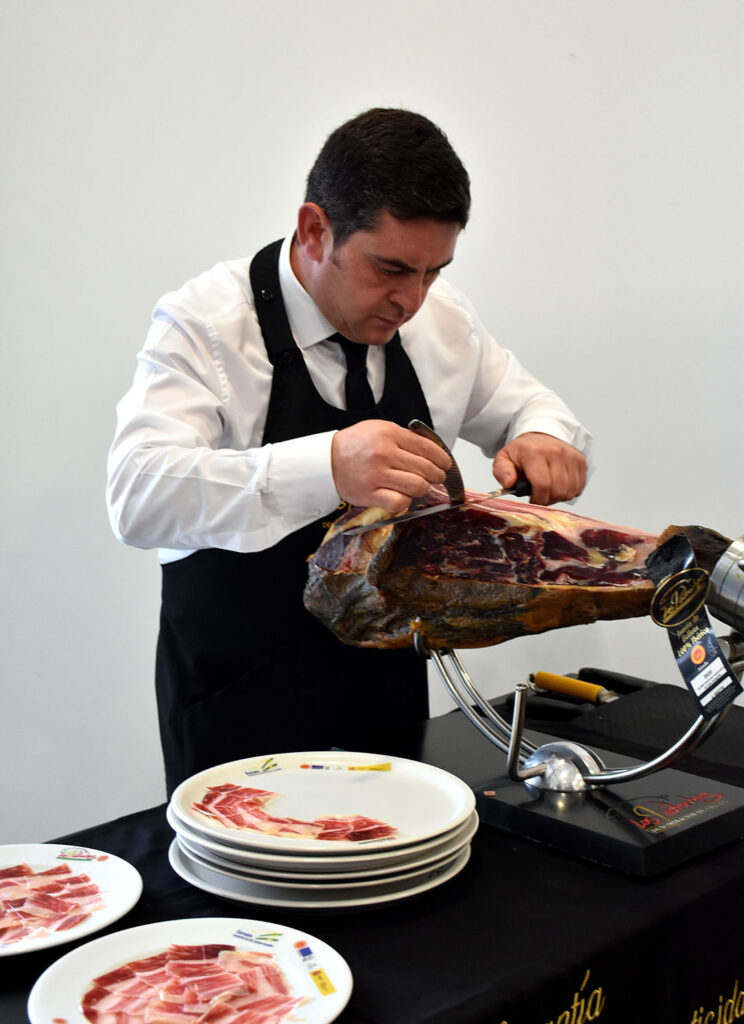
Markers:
point(265, 764)
point(76, 853)
point(319, 976)
point(262, 938)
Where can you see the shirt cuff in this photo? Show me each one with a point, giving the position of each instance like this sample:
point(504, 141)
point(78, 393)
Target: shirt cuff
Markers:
point(569, 431)
point(301, 480)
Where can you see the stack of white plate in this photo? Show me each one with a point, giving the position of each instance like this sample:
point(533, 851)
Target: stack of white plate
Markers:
point(321, 829)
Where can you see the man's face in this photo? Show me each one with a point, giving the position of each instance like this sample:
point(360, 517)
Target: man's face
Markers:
point(376, 280)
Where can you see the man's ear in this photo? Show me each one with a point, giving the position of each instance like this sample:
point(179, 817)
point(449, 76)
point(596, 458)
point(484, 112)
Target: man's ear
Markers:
point(314, 233)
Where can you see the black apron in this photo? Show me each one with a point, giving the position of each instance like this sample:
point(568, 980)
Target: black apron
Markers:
point(242, 668)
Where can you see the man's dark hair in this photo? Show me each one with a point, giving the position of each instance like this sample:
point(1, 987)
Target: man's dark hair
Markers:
point(388, 159)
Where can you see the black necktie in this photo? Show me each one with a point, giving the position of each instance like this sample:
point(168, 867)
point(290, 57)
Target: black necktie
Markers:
point(358, 392)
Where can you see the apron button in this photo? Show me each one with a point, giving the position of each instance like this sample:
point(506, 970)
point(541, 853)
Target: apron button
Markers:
point(267, 294)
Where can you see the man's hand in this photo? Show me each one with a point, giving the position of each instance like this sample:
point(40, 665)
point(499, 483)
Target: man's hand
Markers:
point(556, 470)
point(376, 462)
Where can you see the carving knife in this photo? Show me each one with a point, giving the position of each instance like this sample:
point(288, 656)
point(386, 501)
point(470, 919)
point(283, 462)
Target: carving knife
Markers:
point(522, 489)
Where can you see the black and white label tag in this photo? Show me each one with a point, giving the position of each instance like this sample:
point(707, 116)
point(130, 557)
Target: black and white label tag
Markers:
point(678, 605)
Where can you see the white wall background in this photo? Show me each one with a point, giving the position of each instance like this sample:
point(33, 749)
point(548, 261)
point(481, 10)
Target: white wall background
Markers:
point(144, 141)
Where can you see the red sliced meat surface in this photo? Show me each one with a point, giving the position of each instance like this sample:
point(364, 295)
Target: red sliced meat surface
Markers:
point(257, 971)
point(212, 984)
point(16, 871)
point(476, 575)
point(33, 904)
point(240, 807)
point(241, 1010)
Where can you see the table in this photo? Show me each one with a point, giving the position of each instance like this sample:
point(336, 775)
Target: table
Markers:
point(525, 934)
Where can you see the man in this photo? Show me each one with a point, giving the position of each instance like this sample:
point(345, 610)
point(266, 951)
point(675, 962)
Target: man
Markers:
point(238, 443)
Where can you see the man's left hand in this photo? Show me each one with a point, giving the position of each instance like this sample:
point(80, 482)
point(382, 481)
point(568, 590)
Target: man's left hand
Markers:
point(556, 470)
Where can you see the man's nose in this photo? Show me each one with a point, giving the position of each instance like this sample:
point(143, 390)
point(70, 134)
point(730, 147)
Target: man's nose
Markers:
point(409, 295)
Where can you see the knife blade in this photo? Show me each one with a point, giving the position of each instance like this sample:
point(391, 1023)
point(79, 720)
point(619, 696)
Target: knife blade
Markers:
point(521, 489)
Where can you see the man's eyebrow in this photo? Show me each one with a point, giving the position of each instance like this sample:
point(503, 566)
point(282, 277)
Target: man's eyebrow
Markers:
point(401, 265)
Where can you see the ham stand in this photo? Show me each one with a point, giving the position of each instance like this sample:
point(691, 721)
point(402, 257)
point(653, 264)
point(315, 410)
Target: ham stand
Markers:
point(567, 796)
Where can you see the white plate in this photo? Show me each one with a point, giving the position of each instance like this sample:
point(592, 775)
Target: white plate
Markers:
point(270, 895)
point(119, 883)
point(288, 862)
point(318, 885)
point(418, 800)
point(417, 856)
point(308, 964)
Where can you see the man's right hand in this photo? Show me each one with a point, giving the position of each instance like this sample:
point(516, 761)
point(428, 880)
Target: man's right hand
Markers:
point(378, 463)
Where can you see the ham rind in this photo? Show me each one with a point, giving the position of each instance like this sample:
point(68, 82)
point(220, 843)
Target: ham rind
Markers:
point(474, 576)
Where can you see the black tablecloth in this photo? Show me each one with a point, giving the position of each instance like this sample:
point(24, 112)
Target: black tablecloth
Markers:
point(524, 934)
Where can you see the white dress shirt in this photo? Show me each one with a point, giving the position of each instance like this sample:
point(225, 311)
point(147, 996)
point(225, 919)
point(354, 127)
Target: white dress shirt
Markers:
point(187, 469)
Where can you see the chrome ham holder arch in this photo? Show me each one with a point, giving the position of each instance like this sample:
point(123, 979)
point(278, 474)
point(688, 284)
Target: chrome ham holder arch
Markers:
point(560, 766)
point(557, 792)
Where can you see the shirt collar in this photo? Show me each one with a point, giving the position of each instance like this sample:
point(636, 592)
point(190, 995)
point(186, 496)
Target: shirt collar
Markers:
point(307, 323)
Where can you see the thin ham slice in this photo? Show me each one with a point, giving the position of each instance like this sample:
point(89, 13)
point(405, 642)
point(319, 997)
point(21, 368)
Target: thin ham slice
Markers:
point(35, 903)
point(246, 1010)
point(212, 984)
point(258, 972)
point(241, 807)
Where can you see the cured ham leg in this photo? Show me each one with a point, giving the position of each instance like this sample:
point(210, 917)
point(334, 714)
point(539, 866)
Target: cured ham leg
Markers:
point(477, 575)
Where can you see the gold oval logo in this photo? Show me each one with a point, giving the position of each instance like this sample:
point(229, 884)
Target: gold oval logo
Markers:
point(679, 597)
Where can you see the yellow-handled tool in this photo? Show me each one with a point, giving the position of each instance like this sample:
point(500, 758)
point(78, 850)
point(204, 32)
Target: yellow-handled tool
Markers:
point(572, 687)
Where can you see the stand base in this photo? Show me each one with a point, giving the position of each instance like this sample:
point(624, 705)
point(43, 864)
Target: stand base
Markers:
point(640, 828)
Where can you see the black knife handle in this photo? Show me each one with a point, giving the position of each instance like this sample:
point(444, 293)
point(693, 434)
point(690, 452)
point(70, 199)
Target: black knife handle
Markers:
point(521, 489)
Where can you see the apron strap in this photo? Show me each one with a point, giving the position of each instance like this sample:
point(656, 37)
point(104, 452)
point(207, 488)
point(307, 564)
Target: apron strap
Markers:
point(267, 296)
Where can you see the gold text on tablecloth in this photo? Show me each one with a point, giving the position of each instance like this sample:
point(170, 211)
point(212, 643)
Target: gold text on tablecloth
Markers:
point(727, 1011)
point(586, 1005)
